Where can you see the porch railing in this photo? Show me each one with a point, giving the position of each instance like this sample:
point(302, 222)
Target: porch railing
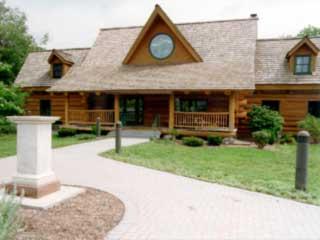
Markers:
point(201, 120)
point(90, 116)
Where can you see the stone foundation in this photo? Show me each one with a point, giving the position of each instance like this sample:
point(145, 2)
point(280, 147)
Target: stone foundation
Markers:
point(33, 192)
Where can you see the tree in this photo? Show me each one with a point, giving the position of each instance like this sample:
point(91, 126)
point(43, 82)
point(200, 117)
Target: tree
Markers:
point(310, 31)
point(15, 42)
point(12, 99)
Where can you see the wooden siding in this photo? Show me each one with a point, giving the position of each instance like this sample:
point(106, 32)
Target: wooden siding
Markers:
point(153, 105)
point(293, 107)
point(142, 55)
point(76, 101)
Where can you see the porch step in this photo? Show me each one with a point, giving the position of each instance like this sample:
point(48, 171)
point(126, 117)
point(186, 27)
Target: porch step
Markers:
point(137, 133)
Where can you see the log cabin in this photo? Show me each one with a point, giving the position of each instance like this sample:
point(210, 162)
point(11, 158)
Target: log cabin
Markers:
point(199, 78)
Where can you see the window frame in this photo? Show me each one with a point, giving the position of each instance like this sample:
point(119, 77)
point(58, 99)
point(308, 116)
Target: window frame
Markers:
point(190, 101)
point(48, 111)
point(296, 63)
point(173, 45)
point(263, 103)
point(317, 102)
point(53, 70)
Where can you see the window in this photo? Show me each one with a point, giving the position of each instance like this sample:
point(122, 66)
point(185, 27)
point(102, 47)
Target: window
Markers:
point(271, 104)
point(161, 46)
point(302, 65)
point(57, 70)
point(191, 105)
point(45, 107)
point(314, 108)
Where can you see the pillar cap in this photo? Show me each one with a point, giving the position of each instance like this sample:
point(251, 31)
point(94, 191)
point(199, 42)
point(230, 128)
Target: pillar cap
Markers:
point(33, 119)
point(303, 134)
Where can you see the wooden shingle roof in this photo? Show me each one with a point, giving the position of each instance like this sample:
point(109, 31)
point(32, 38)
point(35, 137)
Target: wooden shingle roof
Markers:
point(35, 71)
point(227, 49)
point(272, 64)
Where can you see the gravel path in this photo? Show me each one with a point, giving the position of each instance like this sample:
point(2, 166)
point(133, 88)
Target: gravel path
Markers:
point(88, 216)
point(161, 205)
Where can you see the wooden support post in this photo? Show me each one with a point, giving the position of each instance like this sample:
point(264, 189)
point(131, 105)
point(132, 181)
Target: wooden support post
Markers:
point(66, 109)
point(232, 109)
point(116, 108)
point(171, 111)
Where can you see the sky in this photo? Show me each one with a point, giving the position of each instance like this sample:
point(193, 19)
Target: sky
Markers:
point(75, 23)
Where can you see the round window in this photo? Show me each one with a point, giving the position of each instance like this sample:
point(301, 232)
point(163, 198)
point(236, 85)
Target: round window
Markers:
point(161, 46)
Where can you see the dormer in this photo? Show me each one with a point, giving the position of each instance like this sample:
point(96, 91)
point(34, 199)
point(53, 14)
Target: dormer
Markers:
point(160, 42)
point(60, 62)
point(302, 58)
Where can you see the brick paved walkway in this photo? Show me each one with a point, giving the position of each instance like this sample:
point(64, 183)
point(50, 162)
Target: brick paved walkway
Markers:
point(164, 206)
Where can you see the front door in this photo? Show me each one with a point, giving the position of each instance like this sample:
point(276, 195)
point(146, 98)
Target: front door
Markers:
point(131, 110)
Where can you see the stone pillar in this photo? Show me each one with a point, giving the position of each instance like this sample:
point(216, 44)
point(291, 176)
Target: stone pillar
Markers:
point(34, 170)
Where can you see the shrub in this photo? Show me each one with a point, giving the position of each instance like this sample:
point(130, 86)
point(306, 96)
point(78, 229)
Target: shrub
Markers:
point(12, 99)
point(66, 132)
point(312, 125)
point(85, 136)
point(262, 118)
point(261, 138)
point(174, 134)
point(7, 127)
point(192, 141)
point(287, 138)
point(10, 221)
point(214, 140)
point(94, 130)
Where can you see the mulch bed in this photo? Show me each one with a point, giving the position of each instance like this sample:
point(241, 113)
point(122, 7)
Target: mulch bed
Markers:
point(90, 215)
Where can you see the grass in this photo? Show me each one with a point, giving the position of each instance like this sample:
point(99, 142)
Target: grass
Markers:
point(266, 171)
point(8, 143)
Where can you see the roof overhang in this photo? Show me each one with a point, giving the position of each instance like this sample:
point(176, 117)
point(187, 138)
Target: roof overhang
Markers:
point(304, 42)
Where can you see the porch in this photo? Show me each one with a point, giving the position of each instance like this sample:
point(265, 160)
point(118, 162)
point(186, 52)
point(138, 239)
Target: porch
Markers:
point(188, 113)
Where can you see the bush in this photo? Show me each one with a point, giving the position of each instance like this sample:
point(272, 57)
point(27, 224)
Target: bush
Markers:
point(94, 130)
point(287, 138)
point(214, 140)
point(85, 136)
point(66, 132)
point(312, 125)
point(262, 118)
point(7, 127)
point(261, 138)
point(192, 141)
point(10, 221)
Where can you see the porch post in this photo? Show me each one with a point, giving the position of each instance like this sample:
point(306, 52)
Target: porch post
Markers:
point(232, 108)
point(116, 108)
point(66, 109)
point(171, 111)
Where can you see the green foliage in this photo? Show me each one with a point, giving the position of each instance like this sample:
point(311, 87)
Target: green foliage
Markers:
point(66, 132)
point(7, 127)
point(269, 171)
point(174, 133)
point(10, 221)
point(11, 100)
point(85, 136)
point(287, 139)
point(263, 118)
point(15, 42)
point(94, 130)
point(312, 125)
point(214, 140)
point(192, 141)
point(310, 31)
point(261, 138)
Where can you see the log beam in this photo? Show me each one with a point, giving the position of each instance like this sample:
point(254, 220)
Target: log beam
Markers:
point(232, 109)
point(171, 111)
point(116, 108)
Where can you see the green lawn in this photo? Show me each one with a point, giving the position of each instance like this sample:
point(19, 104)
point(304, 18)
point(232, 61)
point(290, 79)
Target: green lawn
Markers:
point(8, 143)
point(265, 171)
